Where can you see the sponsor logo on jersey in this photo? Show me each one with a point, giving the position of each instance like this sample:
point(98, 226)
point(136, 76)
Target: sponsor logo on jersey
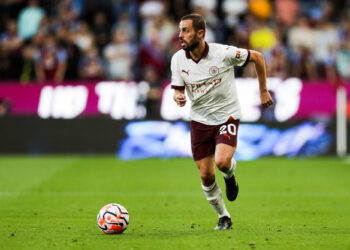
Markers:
point(202, 87)
point(213, 70)
point(238, 54)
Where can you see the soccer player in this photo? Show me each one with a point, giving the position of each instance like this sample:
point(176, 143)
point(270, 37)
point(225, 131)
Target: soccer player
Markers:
point(206, 71)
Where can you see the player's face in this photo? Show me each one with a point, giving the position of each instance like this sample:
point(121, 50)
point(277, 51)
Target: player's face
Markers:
point(188, 36)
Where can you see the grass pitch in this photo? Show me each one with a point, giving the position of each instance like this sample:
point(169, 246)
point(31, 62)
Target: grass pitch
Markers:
point(52, 203)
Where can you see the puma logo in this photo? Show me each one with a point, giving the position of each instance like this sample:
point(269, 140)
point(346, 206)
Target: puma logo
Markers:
point(187, 72)
point(228, 136)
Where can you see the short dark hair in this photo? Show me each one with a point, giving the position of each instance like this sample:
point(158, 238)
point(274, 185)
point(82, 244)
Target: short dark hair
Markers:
point(198, 22)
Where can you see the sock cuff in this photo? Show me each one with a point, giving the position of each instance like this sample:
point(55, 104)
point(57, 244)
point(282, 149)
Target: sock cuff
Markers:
point(210, 188)
point(225, 213)
point(233, 163)
point(229, 170)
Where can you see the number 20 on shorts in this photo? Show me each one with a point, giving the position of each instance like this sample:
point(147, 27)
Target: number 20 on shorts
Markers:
point(230, 128)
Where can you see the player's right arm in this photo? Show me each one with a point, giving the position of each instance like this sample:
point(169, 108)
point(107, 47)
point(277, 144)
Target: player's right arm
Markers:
point(177, 83)
point(179, 97)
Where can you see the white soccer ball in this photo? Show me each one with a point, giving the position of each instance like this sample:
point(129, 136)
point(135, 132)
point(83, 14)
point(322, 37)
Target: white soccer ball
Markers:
point(113, 219)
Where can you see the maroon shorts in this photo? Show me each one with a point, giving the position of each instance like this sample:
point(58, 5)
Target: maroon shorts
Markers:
point(204, 138)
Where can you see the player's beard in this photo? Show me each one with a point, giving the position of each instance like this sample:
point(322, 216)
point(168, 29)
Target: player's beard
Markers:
point(192, 44)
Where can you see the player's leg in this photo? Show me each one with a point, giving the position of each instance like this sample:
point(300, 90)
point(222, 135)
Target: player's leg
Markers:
point(226, 163)
point(224, 159)
point(213, 192)
point(203, 150)
point(207, 170)
point(226, 141)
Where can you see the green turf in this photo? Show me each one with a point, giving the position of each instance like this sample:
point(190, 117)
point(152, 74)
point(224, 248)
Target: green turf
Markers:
point(52, 203)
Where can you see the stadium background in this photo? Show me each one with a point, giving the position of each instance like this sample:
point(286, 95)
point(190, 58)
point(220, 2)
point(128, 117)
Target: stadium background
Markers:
point(89, 78)
point(83, 43)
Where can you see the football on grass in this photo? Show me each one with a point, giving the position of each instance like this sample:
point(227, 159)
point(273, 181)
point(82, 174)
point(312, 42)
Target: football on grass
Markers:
point(113, 219)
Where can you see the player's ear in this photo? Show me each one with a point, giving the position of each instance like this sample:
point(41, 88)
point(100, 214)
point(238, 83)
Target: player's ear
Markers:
point(201, 33)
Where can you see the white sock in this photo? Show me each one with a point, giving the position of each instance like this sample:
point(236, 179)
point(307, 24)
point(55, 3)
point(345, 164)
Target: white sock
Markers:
point(228, 174)
point(214, 197)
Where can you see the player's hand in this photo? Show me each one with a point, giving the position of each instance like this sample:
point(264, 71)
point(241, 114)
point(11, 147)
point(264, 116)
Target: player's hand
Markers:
point(266, 100)
point(180, 99)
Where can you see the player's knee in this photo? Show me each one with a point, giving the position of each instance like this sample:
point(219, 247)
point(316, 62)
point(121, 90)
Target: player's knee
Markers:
point(207, 179)
point(223, 163)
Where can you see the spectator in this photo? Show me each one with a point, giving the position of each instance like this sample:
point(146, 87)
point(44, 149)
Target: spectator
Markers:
point(343, 61)
point(277, 63)
point(128, 8)
point(74, 55)
point(101, 30)
point(179, 8)
point(300, 38)
point(75, 7)
point(302, 42)
point(29, 19)
point(83, 37)
point(149, 10)
point(119, 55)
point(286, 11)
point(38, 39)
point(91, 66)
point(50, 61)
point(239, 34)
point(154, 94)
point(151, 53)
point(326, 36)
point(343, 54)
point(65, 21)
point(4, 65)
point(262, 37)
point(125, 23)
point(260, 8)
point(166, 28)
point(232, 9)
point(208, 10)
point(311, 7)
point(28, 69)
point(65, 26)
point(11, 45)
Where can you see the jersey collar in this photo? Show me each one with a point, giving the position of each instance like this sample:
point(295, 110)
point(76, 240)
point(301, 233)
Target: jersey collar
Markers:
point(204, 54)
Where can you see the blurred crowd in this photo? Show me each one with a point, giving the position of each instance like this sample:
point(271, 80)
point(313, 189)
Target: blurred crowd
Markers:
point(60, 40)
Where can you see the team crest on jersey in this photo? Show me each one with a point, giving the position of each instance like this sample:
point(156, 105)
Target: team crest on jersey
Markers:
point(213, 70)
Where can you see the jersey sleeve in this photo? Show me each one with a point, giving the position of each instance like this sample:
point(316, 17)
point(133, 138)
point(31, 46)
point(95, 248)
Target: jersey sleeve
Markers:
point(176, 79)
point(237, 56)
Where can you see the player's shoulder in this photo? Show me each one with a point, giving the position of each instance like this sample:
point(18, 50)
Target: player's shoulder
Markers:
point(178, 55)
point(218, 46)
point(219, 49)
point(177, 59)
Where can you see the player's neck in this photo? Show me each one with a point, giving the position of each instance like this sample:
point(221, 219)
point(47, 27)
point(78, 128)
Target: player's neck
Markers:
point(197, 53)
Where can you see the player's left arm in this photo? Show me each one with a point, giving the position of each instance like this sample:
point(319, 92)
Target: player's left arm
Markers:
point(258, 59)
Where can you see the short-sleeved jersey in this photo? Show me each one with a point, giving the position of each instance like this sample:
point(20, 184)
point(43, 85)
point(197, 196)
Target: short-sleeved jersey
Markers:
point(210, 82)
